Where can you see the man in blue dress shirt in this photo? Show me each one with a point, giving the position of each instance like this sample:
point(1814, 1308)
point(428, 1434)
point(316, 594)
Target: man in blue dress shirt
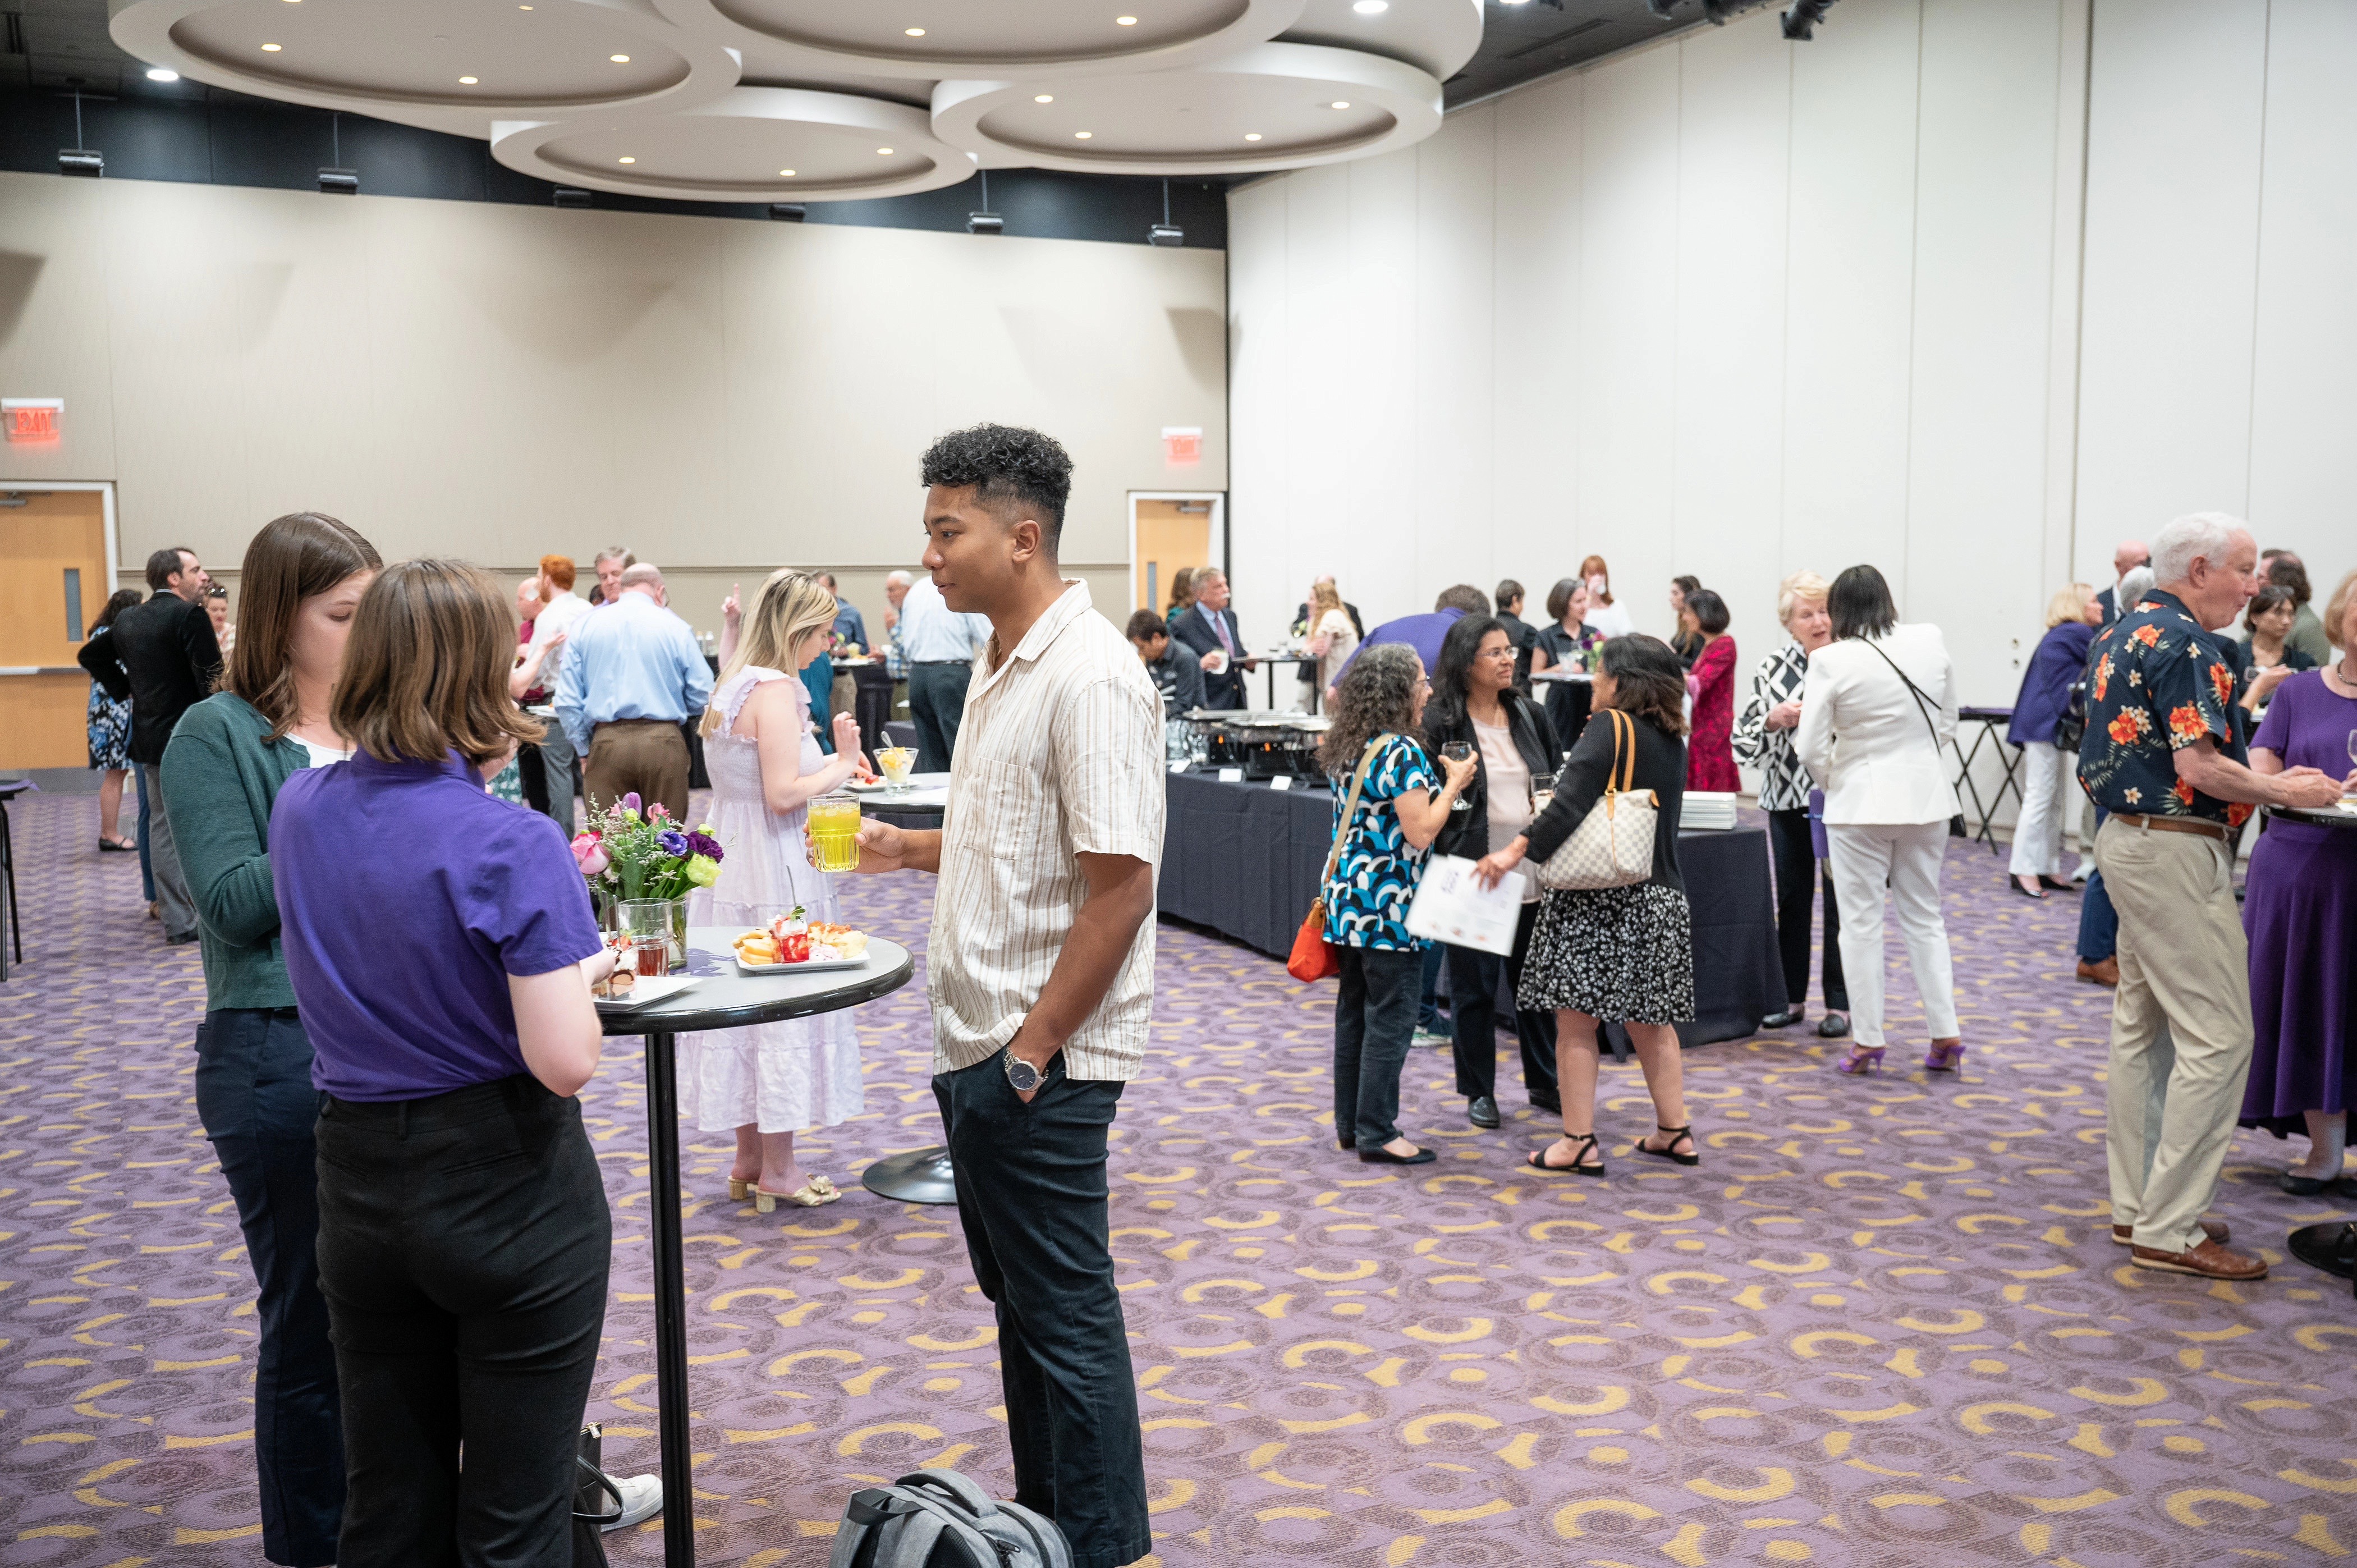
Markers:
point(632, 675)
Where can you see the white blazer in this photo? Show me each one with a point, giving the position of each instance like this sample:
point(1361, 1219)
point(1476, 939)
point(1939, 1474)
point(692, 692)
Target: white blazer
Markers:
point(1863, 736)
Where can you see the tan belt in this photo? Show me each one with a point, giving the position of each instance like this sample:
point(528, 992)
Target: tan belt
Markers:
point(2218, 831)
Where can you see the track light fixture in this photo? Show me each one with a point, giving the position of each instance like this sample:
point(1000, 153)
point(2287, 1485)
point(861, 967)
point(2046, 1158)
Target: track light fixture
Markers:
point(984, 222)
point(79, 159)
point(788, 211)
point(1165, 232)
point(1801, 21)
point(565, 195)
point(338, 180)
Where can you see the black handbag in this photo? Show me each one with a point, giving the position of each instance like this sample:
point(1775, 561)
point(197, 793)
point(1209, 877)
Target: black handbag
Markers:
point(596, 1500)
point(1956, 829)
point(2071, 727)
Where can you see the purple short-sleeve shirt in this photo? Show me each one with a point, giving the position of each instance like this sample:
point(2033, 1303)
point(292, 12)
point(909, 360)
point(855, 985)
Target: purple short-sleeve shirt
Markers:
point(407, 895)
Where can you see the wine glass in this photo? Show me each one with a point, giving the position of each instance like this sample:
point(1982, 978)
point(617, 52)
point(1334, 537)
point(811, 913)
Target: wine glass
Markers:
point(1459, 751)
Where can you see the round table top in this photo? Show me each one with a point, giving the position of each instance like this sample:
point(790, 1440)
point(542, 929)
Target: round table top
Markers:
point(2325, 817)
point(722, 998)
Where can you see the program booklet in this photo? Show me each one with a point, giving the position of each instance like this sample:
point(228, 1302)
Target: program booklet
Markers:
point(1451, 906)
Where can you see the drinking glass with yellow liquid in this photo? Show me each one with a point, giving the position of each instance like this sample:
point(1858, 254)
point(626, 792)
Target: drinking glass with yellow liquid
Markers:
point(835, 832)
point(896, 762)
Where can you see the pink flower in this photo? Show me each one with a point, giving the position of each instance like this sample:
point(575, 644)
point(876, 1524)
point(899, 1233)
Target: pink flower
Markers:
point(591, 854)
point(656, 813)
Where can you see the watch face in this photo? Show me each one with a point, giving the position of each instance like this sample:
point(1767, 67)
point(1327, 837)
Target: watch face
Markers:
point(1022, 1074)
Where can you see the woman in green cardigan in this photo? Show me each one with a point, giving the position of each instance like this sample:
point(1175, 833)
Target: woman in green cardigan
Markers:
point(302, 579)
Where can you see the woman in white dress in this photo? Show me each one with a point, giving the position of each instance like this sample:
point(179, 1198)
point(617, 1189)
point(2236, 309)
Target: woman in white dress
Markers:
point(1331, 638)
point(768, 1082)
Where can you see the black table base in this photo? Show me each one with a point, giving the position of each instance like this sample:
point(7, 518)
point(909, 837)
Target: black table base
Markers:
point(920, 1176)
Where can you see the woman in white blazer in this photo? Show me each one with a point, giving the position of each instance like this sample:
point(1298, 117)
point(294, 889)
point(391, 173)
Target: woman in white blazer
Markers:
point(1877, 710)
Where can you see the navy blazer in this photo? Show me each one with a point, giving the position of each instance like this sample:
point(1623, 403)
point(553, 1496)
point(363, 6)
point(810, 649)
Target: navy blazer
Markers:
point(2060, 659)
point(1226, 689)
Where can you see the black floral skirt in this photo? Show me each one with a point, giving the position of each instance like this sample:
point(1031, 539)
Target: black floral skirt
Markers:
point(1623, 953)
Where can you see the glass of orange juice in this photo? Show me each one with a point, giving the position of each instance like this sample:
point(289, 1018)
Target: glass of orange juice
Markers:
point(897, 761)
point(835, 832)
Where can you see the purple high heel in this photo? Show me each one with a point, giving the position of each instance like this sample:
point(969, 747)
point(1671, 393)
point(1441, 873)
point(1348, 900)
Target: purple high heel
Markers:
point(1862, 1059)
point(1944, 1059)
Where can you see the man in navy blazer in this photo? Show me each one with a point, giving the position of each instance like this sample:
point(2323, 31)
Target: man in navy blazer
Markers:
point(1210, 628)
point(2131, 554)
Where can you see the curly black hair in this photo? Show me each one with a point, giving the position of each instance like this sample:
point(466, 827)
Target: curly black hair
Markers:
point(1007, 469)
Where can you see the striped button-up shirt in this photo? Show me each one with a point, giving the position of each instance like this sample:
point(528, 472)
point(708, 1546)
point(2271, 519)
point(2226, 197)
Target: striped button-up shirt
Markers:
point(1059, 755)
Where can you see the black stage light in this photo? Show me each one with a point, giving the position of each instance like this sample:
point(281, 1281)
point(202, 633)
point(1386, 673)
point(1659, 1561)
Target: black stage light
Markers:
point(788, 211)
point(78, 159)
point(984, 222)
point(339, 182)
point(1165, 232)
point(565, 195)
point(1801, 21)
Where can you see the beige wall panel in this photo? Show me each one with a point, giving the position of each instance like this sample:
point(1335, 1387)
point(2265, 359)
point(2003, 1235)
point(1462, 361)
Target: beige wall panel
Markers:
point(53, 322)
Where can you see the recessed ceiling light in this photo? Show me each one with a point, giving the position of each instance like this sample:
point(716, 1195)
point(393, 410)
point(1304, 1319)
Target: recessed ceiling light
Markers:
point(159, 74)
point(883, 152)
point(626, 160)
point(1370, 8)
point(1252, 135)
point(270, 49)
point(467, 82)
point(1082, 135)
point(1124, 21)
point(914, 32)
point(786, 173)
point(1340, 104)
point(620, 59)
point(1043, 98)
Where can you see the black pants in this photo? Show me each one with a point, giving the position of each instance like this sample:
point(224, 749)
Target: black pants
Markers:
point(937, 705)
point(255, 1100)
point(1373, 1018)
point(1031, 1196)
point(464, 1241)
point(1473, 1004)
point(1796, 878)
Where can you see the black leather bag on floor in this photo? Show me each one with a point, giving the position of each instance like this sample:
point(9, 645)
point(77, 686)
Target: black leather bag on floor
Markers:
point(596, 1500)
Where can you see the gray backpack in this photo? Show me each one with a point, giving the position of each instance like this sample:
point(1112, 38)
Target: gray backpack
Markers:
point(938, 1518)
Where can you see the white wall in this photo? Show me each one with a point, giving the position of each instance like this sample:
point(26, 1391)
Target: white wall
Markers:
point(501, 382)
point(1736, 307)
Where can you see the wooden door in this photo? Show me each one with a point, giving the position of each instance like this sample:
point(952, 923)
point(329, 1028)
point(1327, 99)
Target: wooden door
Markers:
point(1171, 534)
point(54, 581)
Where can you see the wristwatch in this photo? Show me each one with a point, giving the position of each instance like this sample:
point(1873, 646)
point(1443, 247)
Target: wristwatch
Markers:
point(1022, 1076)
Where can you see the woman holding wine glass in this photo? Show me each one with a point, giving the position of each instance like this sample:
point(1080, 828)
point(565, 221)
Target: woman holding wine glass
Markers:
point(2300, 913)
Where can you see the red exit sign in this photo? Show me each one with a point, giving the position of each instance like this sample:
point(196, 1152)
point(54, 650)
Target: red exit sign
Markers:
point(32, 418)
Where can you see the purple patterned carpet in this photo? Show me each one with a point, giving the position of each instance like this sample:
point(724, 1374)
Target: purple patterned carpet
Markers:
point(1882, 1324)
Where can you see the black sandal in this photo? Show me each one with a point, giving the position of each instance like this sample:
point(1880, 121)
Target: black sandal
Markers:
point(1537, 1159)
point(1643, 1147)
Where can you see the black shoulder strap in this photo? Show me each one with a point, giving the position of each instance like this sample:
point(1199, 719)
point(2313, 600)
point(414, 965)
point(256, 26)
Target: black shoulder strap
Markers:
point(1922, 703)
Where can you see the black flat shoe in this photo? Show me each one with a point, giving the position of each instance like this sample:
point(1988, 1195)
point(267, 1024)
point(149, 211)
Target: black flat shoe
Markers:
point(1832, 1026)
point(1482, 1112)
point(1584, 1143)
point(1385, 1157)
point(1784, 1020)
point(1346, 1144)
point(1677, 1136)
point(117, 846)
point(2013, 885)
point(2058, 885)
point(1548, 1103)
point(2306, 1186)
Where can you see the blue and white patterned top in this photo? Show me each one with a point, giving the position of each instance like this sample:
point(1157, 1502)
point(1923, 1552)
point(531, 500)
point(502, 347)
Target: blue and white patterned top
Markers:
point(1374, 881)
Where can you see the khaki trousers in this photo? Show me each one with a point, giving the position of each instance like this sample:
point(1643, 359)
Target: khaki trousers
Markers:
point(2185, 980)
point(647, 756)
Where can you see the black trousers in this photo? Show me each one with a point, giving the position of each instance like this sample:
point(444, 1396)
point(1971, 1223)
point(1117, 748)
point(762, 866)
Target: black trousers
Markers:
point(937, 705)
point(1031, 1196)
point(1474, 1007)
point(1374, 1017)
point(255, 1100)
point(1797, 876)
point(464, 1241)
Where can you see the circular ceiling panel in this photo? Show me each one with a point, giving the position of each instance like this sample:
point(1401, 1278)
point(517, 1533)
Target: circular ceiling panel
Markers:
point(756, 144)
point(933, 38)
point(1435, 35)
point(1274, 106)
point(455, 64)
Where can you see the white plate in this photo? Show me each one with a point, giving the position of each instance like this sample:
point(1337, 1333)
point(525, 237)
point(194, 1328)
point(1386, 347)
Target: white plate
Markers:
point(650, 988)
point(808, 966)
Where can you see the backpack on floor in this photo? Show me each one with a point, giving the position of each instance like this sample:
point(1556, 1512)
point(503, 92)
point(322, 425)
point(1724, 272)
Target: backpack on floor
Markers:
point(938, 1518)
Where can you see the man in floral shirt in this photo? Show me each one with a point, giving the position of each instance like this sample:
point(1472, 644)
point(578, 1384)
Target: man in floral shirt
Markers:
point(2163, 757)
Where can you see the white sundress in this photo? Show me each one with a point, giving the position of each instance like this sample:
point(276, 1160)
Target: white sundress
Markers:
point(804, 1072)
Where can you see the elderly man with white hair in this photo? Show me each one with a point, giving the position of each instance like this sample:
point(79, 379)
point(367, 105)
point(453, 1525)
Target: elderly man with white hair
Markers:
point(2163, 757)
point(632, 675)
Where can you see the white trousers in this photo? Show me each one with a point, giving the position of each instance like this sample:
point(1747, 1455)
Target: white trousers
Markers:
point(2048, 789)
point(1897, 863)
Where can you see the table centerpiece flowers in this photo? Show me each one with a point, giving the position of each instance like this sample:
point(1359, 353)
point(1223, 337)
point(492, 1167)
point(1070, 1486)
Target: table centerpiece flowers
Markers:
point(632, 852)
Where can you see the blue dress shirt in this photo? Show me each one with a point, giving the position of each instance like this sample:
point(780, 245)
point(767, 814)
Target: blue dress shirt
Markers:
point(850, 624)
point(932, 633)
point(628, 660)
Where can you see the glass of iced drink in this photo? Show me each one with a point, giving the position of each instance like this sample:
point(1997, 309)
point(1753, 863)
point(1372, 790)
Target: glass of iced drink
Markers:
point(835, 832)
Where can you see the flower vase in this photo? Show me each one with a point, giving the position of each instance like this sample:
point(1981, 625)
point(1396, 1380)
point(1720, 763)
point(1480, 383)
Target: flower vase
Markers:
point(609, 920)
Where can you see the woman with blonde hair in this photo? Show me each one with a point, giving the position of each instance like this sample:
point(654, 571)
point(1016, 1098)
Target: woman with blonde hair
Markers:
point(2049, 768)
point(1763, 739)
point(768, 1082)
point(1332, 637)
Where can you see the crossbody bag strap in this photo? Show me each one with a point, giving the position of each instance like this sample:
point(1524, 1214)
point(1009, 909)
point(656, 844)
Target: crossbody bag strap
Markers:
point(1922, 704)
point(1349, 810)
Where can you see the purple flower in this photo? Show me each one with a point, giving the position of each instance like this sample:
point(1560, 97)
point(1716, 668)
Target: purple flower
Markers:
point(631, 801)
point(705, 844)
point(674, 841)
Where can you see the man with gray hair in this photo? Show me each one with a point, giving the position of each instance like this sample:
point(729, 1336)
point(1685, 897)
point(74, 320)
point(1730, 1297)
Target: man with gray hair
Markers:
point(2163, 757)
point(2116, 599)
point(632, 675)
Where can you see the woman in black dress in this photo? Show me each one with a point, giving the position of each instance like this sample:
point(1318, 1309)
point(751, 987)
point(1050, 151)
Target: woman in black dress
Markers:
point(1623, 953)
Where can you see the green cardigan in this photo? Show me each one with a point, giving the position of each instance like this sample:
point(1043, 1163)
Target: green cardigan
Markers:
point(221, 773)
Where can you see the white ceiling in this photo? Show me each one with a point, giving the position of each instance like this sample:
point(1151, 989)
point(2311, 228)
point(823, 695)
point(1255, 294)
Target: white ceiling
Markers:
point(717, 99)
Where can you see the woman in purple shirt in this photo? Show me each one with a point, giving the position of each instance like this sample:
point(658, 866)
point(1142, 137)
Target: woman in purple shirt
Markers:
point(441, 948)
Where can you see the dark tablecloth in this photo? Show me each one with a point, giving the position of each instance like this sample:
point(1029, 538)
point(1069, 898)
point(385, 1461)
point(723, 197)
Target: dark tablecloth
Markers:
point(1243, 859)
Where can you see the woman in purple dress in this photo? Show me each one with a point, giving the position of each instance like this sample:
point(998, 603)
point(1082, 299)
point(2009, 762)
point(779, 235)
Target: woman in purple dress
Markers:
point(2301, 914)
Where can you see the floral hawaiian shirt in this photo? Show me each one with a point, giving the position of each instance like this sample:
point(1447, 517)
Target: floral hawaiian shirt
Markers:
point(1366, 904)
point(2155, 684)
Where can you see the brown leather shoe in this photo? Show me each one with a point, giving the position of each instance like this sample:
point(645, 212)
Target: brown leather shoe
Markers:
point(2124, 1235)
point(2209, 1260)
point(2106, 972)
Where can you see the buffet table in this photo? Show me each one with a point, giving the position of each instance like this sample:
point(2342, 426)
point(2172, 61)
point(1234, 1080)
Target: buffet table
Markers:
point(1243, 860)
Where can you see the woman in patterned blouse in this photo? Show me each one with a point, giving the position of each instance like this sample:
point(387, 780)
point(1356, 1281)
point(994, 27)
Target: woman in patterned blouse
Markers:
point(1763, 739)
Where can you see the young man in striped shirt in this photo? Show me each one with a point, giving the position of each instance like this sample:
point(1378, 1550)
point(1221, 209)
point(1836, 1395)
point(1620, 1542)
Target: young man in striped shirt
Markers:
point(1040, 968)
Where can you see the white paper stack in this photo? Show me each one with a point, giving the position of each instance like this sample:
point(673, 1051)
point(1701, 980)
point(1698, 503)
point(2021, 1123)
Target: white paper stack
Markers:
point(1706, 809)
